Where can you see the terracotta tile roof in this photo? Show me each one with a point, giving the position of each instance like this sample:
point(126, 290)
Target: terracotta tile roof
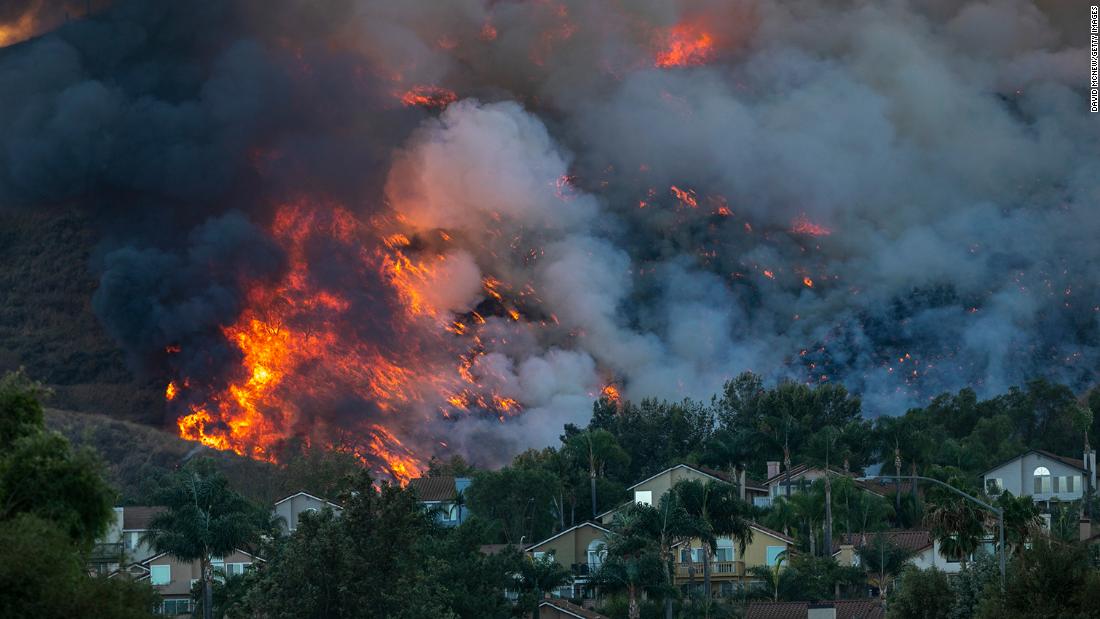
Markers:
point(137, 517)
point(845, 609)
point(912, 540)
point(433, 488)
point(573, 609)
point(726, 477)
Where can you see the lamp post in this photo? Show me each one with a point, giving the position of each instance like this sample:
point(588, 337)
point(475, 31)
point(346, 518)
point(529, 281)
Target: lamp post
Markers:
point(996, 510)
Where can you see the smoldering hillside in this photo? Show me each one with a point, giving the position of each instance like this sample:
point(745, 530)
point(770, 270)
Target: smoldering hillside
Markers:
point(897, 196)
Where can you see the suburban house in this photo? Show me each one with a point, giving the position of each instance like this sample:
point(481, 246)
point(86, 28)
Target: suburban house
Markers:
point(840, 609)
point(444, 496)
point(925, 547)
point(650, 490)
point(289, 509)
point(728, 567)
point(580, 549)
point(800, 478)
point(173, 579)
point(560, 609)
point(1043, 476)
point(122, 544)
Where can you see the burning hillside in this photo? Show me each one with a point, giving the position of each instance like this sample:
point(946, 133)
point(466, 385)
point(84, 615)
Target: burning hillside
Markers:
point(413, 228)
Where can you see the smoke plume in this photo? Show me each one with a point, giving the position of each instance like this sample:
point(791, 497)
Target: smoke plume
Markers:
point(448, 226)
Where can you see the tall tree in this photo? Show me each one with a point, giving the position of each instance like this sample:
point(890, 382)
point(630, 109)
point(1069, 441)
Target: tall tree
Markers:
point(719, 512)
point(204, 519)
point(597, 449)
point(634, 561)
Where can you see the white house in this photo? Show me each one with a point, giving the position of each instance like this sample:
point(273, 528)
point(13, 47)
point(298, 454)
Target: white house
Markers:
point(1043, 476)
point(290, 508)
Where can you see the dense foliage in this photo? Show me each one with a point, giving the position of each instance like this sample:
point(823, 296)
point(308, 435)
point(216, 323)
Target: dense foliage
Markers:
point(54, 503)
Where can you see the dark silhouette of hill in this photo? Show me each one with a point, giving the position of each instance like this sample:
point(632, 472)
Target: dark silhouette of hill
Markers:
point(47, 325)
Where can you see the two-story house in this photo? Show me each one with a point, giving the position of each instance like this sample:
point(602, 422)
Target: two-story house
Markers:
point(800, 478)
point(1043, 476)
point(174, 579)
point(444, 496)
point(581, 549)
point(289, 510)
point(728, 565)
point(123, 542)
point(729, 570)
point(650, 490)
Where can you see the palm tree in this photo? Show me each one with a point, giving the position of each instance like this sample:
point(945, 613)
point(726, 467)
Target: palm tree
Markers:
point(772, 576)
point(634, 560)
point(204, 518)
point(537, 576)
point(597, 448)
point(781, 516)
point(808, 507)
point(719, 512)
point(957, 524)
point(1022, 519)
point(883, 561)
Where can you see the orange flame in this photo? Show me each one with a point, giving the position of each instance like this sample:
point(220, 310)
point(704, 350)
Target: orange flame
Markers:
point(802, 225)
point(428, 96)
point(685, 45)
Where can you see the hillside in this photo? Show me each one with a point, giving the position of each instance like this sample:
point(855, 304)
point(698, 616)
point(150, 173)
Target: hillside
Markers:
point(46, 321)
point(134, 453)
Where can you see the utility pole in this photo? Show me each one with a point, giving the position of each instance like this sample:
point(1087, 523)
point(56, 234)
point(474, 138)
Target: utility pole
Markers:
point(996, 510)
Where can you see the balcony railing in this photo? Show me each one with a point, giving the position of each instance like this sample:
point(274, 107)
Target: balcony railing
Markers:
point(584, 569)
point(718, 569)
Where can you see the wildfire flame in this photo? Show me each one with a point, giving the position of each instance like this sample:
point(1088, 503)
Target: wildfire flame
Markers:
point(685, 45)
point(428, 96)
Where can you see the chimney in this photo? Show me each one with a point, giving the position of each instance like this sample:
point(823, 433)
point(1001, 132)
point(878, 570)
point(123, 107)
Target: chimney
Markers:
point(1084, 528)
point(821, 610)
point(773, 468)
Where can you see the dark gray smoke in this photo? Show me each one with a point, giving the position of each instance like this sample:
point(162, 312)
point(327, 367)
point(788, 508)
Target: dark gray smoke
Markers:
point(945, 147)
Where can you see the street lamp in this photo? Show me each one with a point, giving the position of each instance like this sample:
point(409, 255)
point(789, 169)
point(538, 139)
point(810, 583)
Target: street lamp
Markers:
point(996, 510)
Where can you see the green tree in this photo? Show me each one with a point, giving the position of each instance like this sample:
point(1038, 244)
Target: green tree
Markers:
point(40, 472)
point(1047, 581)
point(719, 512)
point(883, 561)
point(539, 576)
point(634, 562)
point(204, 518)
point(597, 449)
point(922, 594)
point(43, 575)
point(519, 501)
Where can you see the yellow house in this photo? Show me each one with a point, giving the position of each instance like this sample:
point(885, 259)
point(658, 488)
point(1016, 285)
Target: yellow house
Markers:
point(579, 549)
point(729, 568)
point(649, 491)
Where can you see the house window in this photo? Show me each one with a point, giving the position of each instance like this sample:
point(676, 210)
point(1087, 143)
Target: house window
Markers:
point(175, 607)
point(994, 486)
point(132, 539)
point(1043, 481)
point(596, 553)
point(160, 574)
point(773, 554)
point(235, 569)
point(643, 497)
point(539, 556)
point(691, 555)
point(725, 550)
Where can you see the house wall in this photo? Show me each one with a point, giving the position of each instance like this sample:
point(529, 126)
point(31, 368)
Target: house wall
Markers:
point(183, 572)
point(931, 557)
point(571, 547)
point(756, 551)
point(1017, 476)
point(291, 509)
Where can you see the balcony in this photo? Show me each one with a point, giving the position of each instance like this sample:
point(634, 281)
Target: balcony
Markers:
point(584, 570)
point(718, 569)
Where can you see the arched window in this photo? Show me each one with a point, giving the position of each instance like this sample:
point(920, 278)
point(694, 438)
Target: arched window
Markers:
point(1042, 480)
point(597, 550)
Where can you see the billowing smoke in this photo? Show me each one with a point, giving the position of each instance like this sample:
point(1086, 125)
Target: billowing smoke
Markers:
point(554, 196)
